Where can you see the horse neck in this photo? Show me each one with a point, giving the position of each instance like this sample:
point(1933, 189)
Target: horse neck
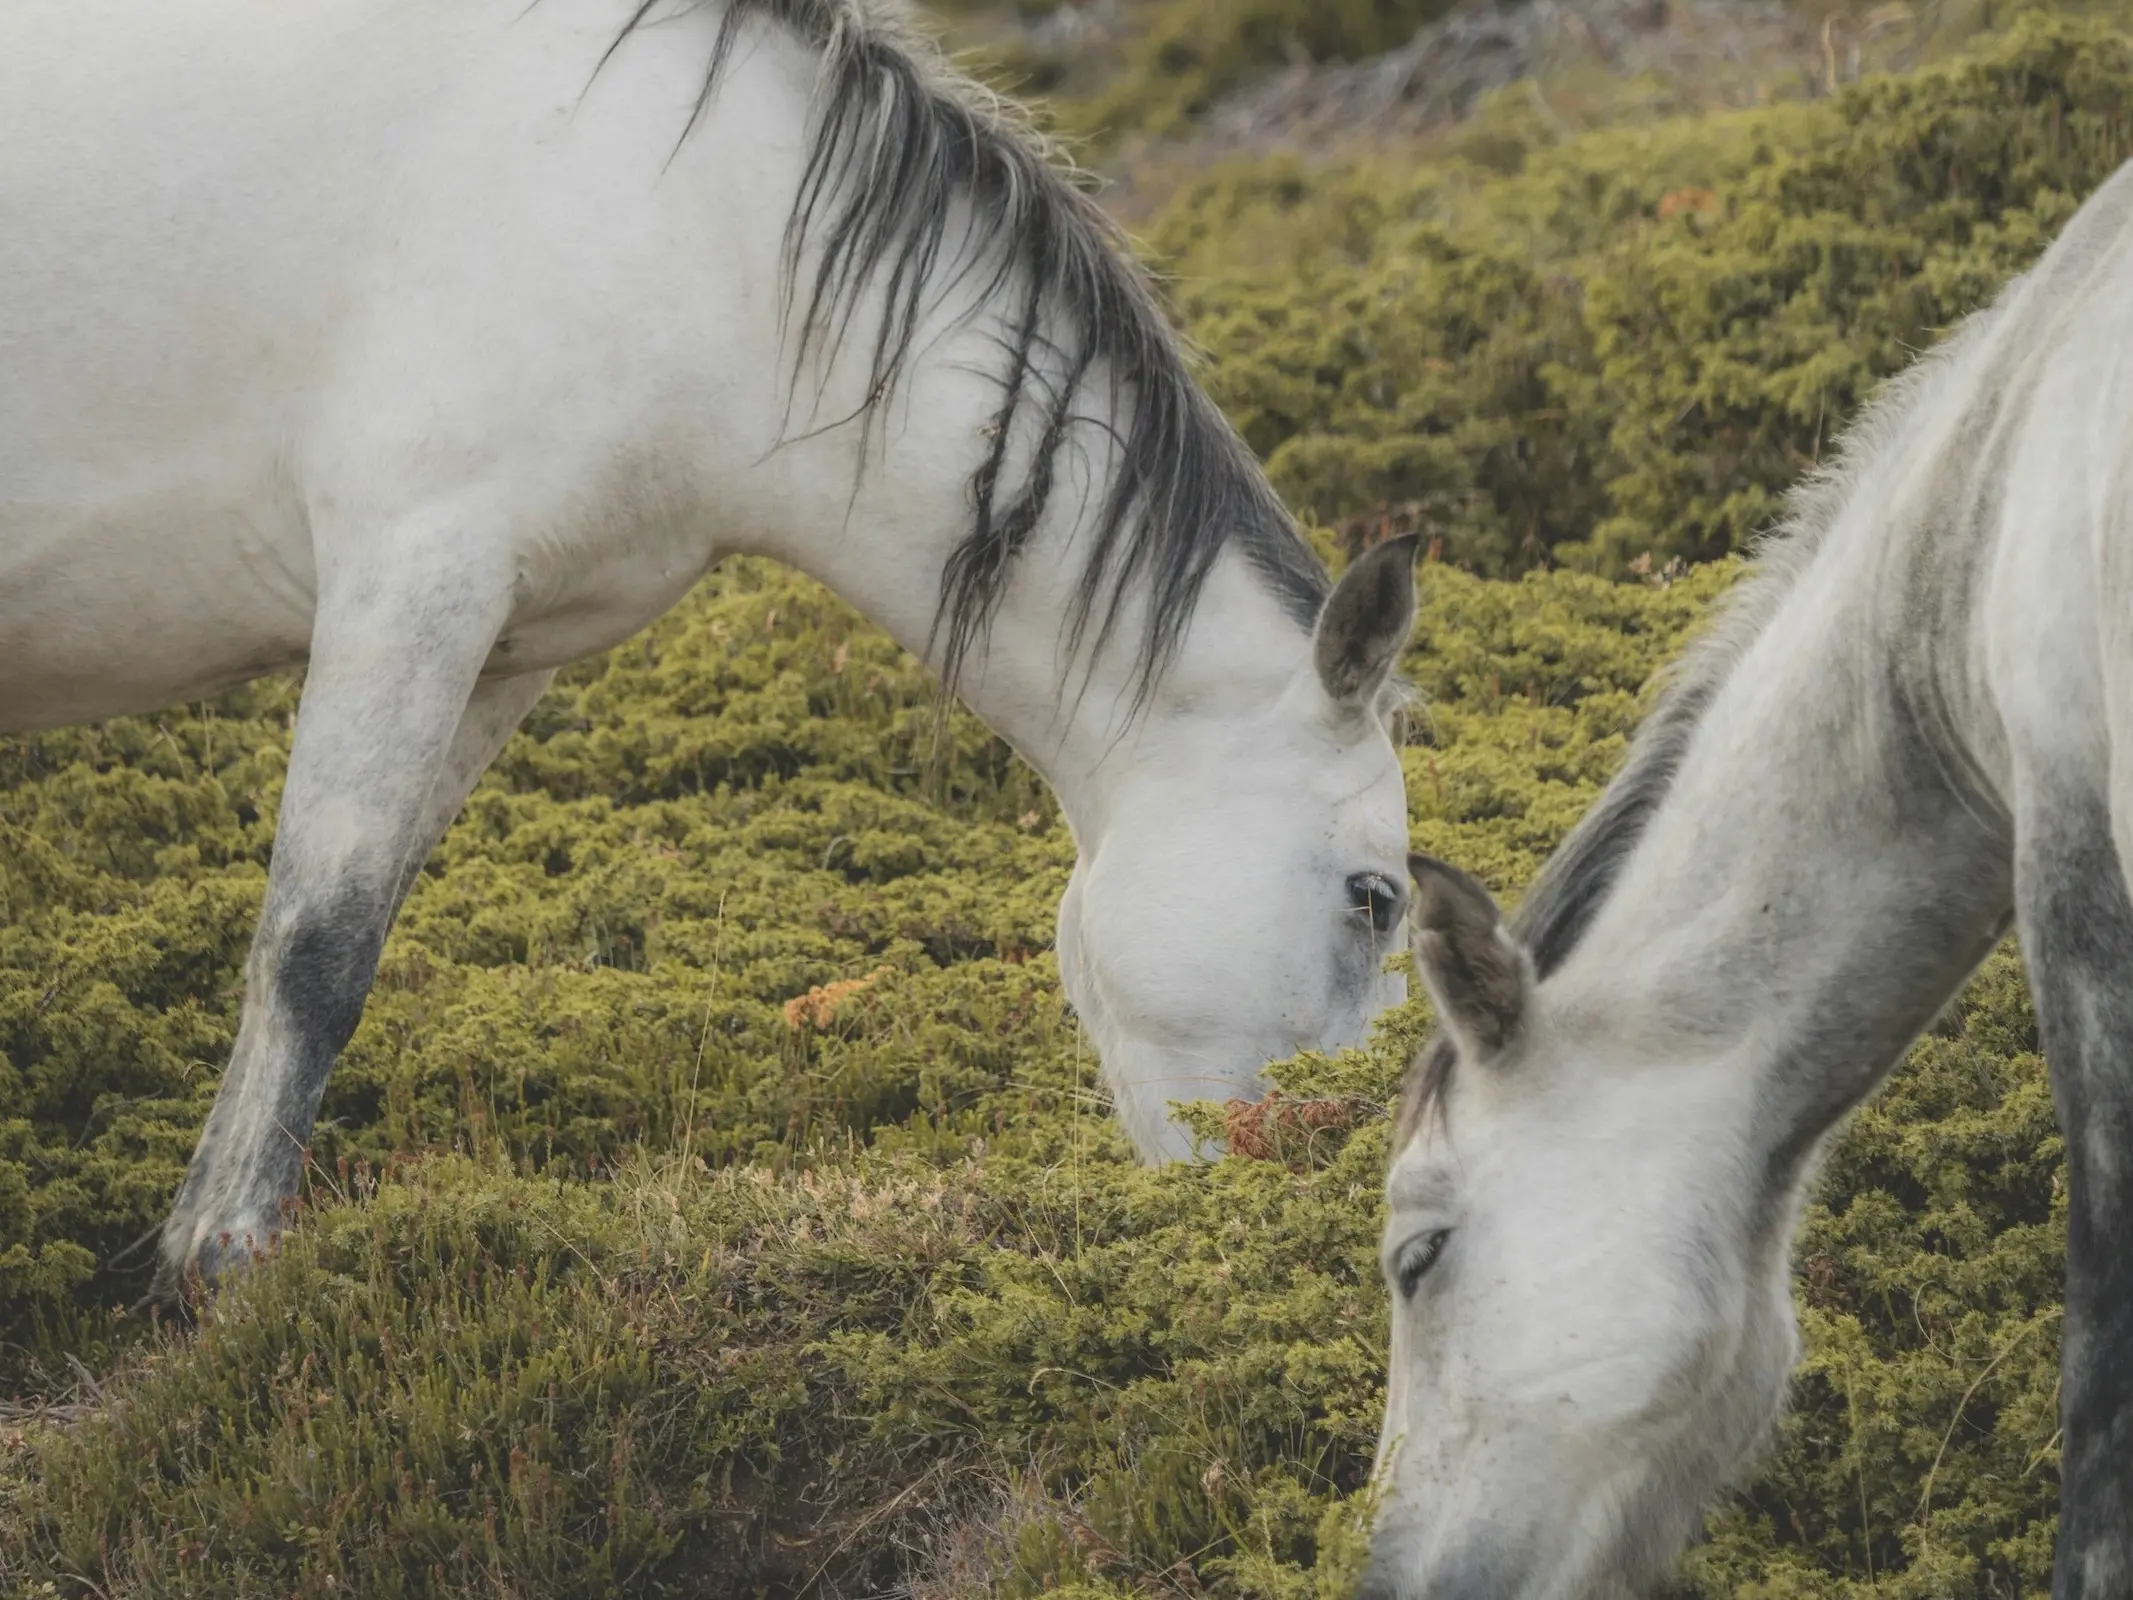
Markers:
point(882, 532)
point(854, 436)
point(1076, 714)
point(1821, 875)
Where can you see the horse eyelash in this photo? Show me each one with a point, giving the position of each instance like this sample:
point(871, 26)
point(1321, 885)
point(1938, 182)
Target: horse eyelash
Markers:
point(1412, 1265)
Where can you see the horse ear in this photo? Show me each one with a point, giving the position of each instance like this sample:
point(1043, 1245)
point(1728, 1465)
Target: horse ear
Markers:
point(1366, 621)
point(1478, 976)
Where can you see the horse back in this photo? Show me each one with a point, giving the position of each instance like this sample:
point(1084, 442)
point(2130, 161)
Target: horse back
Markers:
point(271, 276)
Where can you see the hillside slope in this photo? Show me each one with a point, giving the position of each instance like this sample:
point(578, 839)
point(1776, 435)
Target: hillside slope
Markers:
point(787, 1246)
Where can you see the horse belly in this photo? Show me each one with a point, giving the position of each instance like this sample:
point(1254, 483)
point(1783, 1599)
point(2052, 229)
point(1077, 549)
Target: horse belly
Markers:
point(559, 622)
point(102, 618)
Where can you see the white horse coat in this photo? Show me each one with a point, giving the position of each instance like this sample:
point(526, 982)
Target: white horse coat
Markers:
point(429, 346)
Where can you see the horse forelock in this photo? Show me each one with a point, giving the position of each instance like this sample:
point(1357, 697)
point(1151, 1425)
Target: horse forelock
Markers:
point(905, 150)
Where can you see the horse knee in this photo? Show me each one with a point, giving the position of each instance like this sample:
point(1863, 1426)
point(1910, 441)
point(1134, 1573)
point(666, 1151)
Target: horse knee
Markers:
point(322, 973)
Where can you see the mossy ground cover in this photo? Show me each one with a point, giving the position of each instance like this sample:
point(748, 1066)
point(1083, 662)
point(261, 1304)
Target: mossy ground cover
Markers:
point(870, 1291)
point(716, 1198)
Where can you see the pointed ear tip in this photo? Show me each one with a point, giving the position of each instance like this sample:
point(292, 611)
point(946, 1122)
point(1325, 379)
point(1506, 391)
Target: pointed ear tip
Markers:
point(1391, 555)
point(1438, 879)
point(1400, 550)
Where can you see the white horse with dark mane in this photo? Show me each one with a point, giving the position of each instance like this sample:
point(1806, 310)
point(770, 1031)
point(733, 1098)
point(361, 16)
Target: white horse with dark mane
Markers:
point(1914, 727)
point(432, 346)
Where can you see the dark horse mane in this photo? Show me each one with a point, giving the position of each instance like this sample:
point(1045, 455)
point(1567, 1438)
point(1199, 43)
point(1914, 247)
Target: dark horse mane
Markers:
point(903, 152)
point(1552, 919)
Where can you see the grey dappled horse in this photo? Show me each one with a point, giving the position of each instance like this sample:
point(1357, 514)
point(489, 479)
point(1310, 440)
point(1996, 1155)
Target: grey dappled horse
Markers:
point(1913, 727)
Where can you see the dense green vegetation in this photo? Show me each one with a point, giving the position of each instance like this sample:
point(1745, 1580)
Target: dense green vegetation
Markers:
point(625, 1273)
point(1627, 346)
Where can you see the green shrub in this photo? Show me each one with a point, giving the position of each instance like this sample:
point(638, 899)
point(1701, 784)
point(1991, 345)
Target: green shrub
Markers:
point(672, 1384)
point(689, 833)
point(1628, 346)
point(1733, 349)
point(927, 1303)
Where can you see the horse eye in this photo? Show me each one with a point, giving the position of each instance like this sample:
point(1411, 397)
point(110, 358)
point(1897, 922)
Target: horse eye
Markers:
point(1417, 1258)
point(1376, 896)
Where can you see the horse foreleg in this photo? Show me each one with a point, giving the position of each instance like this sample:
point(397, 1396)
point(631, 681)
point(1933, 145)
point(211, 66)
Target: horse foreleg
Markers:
point(494, 711)
point(2076, 919)
point(392, 733)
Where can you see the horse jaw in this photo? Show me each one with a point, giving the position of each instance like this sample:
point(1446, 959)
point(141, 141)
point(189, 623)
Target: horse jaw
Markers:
point(1209, 927)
